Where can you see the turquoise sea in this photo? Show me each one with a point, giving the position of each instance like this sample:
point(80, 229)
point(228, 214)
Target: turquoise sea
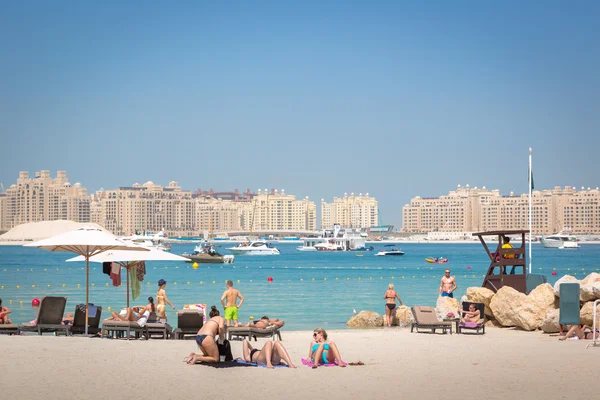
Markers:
point(309, 289)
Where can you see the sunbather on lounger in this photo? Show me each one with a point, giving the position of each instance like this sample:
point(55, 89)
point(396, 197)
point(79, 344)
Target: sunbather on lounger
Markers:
point(137, 314)
point(4, 311)
point(473, 315)
point(322, 351)
point(581, 332)
point(271, 353)
point(68, 319)
point(206, 339)
point(265, 322)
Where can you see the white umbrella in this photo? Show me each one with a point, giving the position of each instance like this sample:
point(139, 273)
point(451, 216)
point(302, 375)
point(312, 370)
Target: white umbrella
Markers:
point(86, 241)
point(130, 258)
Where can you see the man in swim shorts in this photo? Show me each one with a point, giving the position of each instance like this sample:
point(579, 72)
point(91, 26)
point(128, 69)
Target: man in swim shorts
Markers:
point(229, 302)
point(447, 285)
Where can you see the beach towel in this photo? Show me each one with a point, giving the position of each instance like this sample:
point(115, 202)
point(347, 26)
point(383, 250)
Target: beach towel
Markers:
point(253, 364)
point(136, 288)
point(309, 363)
point(226, 364)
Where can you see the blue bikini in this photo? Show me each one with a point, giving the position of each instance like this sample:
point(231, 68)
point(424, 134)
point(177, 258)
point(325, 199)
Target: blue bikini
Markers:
point(324, 354)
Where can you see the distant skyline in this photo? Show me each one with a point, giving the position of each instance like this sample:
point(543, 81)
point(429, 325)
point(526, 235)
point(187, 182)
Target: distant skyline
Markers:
point(397, 99)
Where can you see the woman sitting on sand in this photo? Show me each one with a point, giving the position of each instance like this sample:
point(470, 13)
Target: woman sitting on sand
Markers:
point(581, 332)
point(206, 339)
point(322, 351)
point(137, 314)
point(271, 353)
point(473, 315)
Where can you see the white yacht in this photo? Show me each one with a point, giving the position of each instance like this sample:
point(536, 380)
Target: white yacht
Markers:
point(259, 248)
point(340, 239)
point(559, 240)
point(148, 241)
point(390, 250)
point(308, 244)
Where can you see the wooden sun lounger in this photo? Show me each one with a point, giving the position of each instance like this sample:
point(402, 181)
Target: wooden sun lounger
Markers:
point(426, 318)
point(9, 329)
point(111, 328)
point(189, 322)
point(78, 326)
point(50, 316)
point(478, 327)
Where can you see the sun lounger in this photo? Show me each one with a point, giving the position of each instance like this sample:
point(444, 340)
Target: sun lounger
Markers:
point(569, 311)
point(113, 328)
point(189, 322)
point(153, 327)
point(9, 329)
point(478, 327)
point(78, 326)
point(426, 318)
point(253, 332)
point(50, 316)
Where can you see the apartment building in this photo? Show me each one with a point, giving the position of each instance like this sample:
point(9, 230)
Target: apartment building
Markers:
point(273, 210)
point(350, 212)
point(469, 209)
point(43, 198)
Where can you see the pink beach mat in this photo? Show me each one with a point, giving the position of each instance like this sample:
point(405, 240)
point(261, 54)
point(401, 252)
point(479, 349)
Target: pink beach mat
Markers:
point(309, 363)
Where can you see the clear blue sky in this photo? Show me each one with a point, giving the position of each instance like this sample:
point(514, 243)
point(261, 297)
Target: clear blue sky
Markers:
point(397, 99)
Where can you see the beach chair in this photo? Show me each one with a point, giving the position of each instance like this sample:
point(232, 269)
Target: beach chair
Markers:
point(569, 307)
point(78, 326)
point(50, 316)
point(478, 327)
point(116, 329)
point(271, 332)
point(426, 318)
point(154, 327)
point(9, 329)
point(189, 322)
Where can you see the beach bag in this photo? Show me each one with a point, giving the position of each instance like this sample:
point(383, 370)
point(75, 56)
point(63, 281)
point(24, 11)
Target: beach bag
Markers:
point(225, 350)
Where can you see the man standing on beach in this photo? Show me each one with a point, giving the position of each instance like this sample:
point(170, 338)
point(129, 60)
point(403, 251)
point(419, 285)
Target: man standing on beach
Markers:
point(447, 285)
point(231, 308)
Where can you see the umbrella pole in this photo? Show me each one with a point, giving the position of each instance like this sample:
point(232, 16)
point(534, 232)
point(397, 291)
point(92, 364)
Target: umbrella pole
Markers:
point(127, 273)
point(87, 289)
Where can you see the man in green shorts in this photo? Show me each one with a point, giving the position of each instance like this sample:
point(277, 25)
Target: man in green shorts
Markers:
point(231, 306)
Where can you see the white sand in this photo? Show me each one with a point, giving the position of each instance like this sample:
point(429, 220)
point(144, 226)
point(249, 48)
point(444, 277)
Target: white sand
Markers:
point(498, 365)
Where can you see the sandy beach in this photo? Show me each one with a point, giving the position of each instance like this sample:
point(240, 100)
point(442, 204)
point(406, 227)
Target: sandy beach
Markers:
point(501, 363)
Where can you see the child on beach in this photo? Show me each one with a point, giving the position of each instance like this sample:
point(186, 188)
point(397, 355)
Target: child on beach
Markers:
point(322, 351)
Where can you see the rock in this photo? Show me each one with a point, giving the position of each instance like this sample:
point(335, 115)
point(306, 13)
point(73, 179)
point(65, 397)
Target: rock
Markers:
point(513, 308)
point(404, 316)
point(446, 305)
point(481, 295)
point(550, 324)
point(586, 315)
point(590, 287)
point(564, 279)
point(365, 319)
point(493, 323)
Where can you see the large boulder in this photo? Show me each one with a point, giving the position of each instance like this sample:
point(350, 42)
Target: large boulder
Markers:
point(365, 319)
point(513, 308)
point(481, 295)
point(590, 287)
point(550, 324)
point(447, 305)
point(404, 316)
point(586, 315)
point(563, 279)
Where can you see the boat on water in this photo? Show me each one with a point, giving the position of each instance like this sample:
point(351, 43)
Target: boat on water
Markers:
point(156, 242)
point(437, 260)
point(308, 244)
point(340, 239)
point(559, 240)
point(257, 248)
point(206, 254)
point(390, 250)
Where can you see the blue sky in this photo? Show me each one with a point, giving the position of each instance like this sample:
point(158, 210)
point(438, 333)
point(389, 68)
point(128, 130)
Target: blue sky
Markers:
point(397, 99)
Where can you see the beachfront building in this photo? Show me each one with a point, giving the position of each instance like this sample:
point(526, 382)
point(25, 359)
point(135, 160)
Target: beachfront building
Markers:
point(273, 210)
point(469, 209)
point(215, 215)
point(43, 198)
point(350, 212)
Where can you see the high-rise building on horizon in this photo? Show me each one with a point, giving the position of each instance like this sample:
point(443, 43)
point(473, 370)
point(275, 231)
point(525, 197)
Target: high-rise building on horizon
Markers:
point(350, 212)
point(476, 210)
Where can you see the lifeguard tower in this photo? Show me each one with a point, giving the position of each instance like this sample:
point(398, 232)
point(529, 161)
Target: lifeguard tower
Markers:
point(499, 274)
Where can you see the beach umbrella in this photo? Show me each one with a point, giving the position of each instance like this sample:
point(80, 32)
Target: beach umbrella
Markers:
point(129, 259)
point(86, 241)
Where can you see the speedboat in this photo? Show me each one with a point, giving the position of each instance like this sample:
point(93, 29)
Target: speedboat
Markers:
point(390, 250)
point(259, 248)
point(435, 260)
point(560, 239)
point(206, 254)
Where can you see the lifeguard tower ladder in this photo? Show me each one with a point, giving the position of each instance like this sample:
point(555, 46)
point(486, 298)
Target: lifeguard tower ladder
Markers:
point(498, 275)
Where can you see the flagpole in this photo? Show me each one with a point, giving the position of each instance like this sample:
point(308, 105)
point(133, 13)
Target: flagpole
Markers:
point(530, 217)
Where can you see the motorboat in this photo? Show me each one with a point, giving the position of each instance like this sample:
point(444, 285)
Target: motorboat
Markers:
point(340, 239)
point(437, 260)
point(390, 250)
point(308, 244)
point(156, 241)
point(560, 239)
point(206, 254)
point(259, 248)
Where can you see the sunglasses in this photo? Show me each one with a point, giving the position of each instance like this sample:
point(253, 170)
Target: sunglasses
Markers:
point(315, 334)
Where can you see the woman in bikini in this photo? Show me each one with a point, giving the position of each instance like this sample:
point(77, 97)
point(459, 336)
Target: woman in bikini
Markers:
point(473, 315)
point(161, 299)
point(137, 314)
point(206, 339)
point(322, 351)
point(579, 332)
point(271, 353)
point(4, 311)
point(390, 297)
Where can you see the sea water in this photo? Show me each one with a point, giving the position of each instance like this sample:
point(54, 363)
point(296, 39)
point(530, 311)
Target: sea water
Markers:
point(309, 289)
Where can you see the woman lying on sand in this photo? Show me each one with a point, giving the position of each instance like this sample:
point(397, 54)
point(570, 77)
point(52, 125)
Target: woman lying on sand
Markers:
point(206, 339)
point(271, 353)
point(579, 332)
point(322, 351)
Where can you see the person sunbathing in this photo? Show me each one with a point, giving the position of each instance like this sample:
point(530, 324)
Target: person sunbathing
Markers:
point(4, 311)
point(265, 322)
point(581, 332)
point(68, 319)
point(322, 351)
point(271, 354)
point(206, 339)
point(473, 315)
point(137, 314)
